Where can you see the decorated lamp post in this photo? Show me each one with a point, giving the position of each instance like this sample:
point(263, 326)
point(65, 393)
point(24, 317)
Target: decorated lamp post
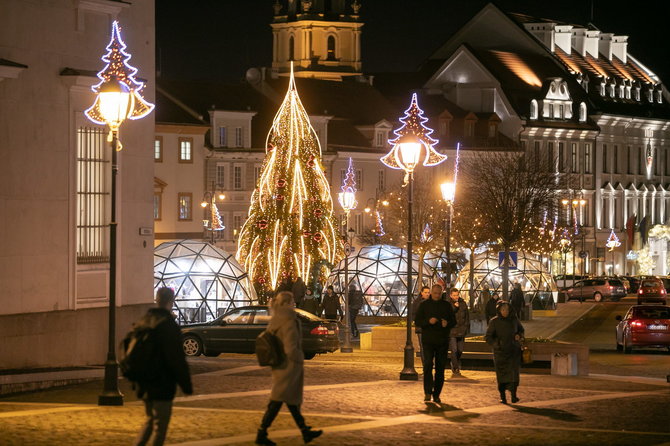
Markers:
point(347, 199)
point(117, 99)
point(412, 145)
point(214, 223)
point(448, 193)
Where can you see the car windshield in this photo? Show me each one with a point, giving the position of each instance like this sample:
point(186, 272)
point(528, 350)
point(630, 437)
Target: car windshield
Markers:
point(307, 315)
point(615, 282)
point(649, 283)
point(652, 313)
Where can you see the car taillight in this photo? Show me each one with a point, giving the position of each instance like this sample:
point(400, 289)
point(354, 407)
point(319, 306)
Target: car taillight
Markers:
point(662, 290)
point(640, 291)
point(636, 324)
point(319, 331)
point(611, 287)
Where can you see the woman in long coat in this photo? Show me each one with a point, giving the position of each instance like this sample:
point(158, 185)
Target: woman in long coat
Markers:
point(505, 335)
point(287, 378)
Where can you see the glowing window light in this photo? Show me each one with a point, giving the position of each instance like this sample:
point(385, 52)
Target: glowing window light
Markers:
point(514, 63)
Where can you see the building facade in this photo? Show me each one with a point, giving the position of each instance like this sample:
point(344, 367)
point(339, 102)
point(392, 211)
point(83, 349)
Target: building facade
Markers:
point(55, 195)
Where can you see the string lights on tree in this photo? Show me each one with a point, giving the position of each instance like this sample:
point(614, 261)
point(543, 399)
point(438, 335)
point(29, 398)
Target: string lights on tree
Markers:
point(290, 225)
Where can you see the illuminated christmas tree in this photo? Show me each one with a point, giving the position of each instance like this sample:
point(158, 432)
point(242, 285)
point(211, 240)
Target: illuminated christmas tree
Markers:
point(290, 228)
point(217, 224)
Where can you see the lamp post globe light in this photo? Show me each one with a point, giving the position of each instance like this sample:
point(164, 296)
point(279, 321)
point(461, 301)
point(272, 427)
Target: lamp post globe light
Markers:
point(448, 190)
point(117, 99)
point(412, 145)
point(347, 199)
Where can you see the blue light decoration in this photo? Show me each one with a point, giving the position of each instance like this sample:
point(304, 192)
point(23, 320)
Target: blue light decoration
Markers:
point(118, 69)
point(413, 125)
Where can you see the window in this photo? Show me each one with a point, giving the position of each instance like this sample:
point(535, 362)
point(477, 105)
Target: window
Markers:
point(158, 198)
point(641, 160)
point(237, 225)
point(381, 181)
point(291, 48)
point(561, 113)
point(221, 175)
point(238, 137)
point(605, 158)
point(537, 155)
point(331, 48)
point(359, 179)
point(185, 206)
point(615, 160)
point(629, 158)
point(257, 174)
point(574, 163)
point(587, 158)
point(223, 137)
point(582, 112)
point(158, 149)
point(561, 157)
point(533, 109)
point(185, 150)
point(493, 129)
point(237, 177)
point(469, 128)
point(380, 139)
point(358, 224)
point(93, 188)
point(667, 162)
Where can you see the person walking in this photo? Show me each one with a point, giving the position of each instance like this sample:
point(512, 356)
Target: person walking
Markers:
point(355, 305)
point(459, 331)
point(505, 335)
point(517, 301)
point(310, 304)
point(299, 289)
point(484, 297)
point(287, 378)
point(331, 304)
point(435, 317)
point(490, 311)
point(170, 368)
point(423, 295)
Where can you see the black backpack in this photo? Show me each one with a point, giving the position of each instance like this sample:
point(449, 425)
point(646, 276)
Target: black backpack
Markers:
point(269, 350)
point(140, 355)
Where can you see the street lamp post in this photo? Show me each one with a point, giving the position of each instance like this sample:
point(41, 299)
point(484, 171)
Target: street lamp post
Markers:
point(347, 199)
point(448, 195)
point(413, 145)
point(572, 204)
point(214, 223)
point(117, 99)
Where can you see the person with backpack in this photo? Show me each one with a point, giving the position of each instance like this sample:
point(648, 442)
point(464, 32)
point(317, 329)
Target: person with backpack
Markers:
point(159, 367)
point(288, 376)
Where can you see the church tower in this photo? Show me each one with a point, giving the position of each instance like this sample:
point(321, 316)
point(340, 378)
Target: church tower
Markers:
point(321, 37)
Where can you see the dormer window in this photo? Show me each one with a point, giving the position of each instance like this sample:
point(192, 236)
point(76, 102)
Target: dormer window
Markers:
point(628, 88)
point(331, 48)
point(621, 90)
point(380, 137)
point(582, 112)
point(637, 92)
point(659, 95)
point(650, 94)
point(602, 88)
point(533, 109)
point(291, 48)
point(610, 90)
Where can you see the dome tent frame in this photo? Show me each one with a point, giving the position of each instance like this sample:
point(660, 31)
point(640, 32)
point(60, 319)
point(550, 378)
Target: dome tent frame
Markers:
point(207, 281)
point(380, 272)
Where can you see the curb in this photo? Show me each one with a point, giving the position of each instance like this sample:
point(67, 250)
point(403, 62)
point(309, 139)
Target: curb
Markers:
point(26, 382)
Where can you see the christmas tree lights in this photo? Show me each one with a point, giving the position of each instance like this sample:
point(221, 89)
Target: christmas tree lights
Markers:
point(379, 226)
point(613, 241)
point(290, 225)
point(217, 224)
point(118, 69)
point(413, 124)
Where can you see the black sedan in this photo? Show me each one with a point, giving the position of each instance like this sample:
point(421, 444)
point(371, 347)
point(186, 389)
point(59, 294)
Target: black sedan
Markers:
point(236, 332)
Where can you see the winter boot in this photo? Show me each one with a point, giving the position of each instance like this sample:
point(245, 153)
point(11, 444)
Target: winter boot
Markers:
point(501, 389)
point(308, 434)
point(262, 438)
point(514, 397)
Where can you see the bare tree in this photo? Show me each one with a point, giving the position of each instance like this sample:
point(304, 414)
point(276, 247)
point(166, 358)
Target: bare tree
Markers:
point(511, 192)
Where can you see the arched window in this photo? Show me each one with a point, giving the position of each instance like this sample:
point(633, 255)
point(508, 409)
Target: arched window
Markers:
point(582, 112)
point(533, 109)
point(331, 48)
point(291, 48)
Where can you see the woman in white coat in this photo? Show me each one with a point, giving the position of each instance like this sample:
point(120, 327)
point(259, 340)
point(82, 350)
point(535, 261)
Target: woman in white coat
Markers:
point(287, 378)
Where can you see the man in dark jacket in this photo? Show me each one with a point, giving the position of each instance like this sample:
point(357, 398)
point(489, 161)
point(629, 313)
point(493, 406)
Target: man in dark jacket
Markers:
point(517, 301)
point(435, 317)
point(490, 309)
point(355, 305)
point(171, 368)
point(299, 289)
point(459, 331)
point(331, 304)
point(423, 295)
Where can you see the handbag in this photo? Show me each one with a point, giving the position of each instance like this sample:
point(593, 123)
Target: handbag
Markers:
point(526, 354)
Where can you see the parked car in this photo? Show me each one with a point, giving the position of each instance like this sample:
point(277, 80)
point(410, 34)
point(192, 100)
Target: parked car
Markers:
point(653, 290)
point(634, 283)
point(598, 289)
point(643, 326)
point(236, 332)
point(567, 280)
point(665, 280)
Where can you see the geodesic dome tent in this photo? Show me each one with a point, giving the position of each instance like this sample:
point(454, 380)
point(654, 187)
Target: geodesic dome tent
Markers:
point(437, 260)
point(207, 280)
point(380, 272)
point(536, 281)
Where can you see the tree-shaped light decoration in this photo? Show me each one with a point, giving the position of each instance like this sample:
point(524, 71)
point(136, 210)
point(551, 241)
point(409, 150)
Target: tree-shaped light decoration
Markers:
point(613, 241)
point(290, 226)
point(379, 226)
point(413, 125)
point(426, 234)
point(347, 197)
point(217, 224)
point(118, 70)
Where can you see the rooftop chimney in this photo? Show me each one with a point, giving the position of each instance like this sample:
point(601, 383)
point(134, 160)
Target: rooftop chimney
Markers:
point(544, 32)
point(620, 47)
point(585, 41)
point(563, 37)
point(605, 45)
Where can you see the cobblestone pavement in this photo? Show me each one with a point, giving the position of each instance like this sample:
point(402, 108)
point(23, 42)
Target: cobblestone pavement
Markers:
point(358, 400)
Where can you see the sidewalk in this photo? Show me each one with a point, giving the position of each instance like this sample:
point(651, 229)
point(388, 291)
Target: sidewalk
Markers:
point(549, 327)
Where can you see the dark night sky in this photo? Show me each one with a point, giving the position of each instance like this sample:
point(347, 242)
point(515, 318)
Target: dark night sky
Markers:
point(220, 39)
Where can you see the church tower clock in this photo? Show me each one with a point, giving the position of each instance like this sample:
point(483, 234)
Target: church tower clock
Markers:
point(321, 37)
